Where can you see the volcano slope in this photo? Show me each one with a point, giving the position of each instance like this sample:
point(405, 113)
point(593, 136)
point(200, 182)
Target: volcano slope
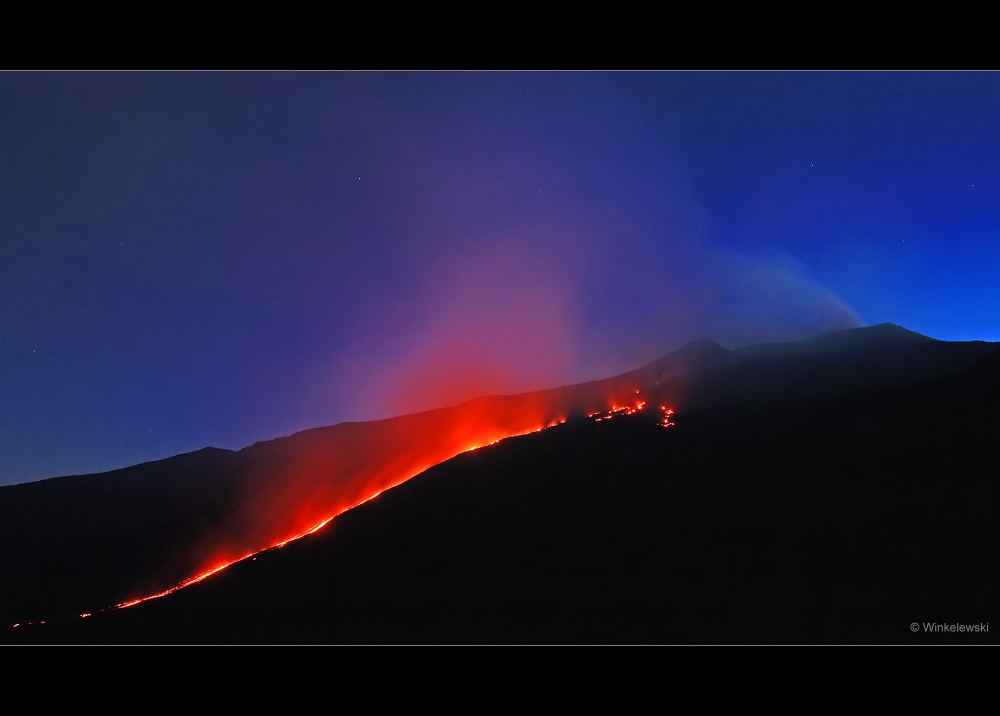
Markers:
point(835, 490)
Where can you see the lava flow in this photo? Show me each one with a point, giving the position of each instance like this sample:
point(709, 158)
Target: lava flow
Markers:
point(294, 486)
point(291, 487)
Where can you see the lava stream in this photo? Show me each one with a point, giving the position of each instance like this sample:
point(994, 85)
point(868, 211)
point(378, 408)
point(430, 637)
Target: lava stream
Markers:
point(294, 486)
point(215, 570)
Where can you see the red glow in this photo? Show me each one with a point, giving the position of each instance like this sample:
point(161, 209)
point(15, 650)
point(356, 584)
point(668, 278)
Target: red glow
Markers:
point(297, 485)
point(330, 470)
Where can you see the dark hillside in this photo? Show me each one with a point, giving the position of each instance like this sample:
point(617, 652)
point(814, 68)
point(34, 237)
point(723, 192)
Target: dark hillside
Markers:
point(800, 514)
point(834, 521)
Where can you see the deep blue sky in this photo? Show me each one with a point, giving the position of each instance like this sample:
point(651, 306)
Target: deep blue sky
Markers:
point(191, 259)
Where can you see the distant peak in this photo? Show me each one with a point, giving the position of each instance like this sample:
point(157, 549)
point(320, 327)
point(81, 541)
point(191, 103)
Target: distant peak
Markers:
point(880, 333)
point(703, 344)
point(701, 349)
point(691, 356)
point(899, 331)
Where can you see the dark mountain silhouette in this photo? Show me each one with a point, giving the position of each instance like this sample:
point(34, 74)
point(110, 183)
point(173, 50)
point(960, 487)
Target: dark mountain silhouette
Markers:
point(833, 490)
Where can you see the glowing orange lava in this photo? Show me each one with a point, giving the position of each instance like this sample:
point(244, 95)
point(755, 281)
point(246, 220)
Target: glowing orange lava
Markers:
point(297, 485)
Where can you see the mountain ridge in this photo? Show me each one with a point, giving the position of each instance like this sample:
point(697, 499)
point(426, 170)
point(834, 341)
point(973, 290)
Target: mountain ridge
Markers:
point(166, 509)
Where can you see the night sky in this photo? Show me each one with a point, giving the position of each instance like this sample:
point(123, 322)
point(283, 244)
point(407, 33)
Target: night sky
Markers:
point(192, 259)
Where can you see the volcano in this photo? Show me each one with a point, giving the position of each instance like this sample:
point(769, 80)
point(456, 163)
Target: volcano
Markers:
point(840, 489)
